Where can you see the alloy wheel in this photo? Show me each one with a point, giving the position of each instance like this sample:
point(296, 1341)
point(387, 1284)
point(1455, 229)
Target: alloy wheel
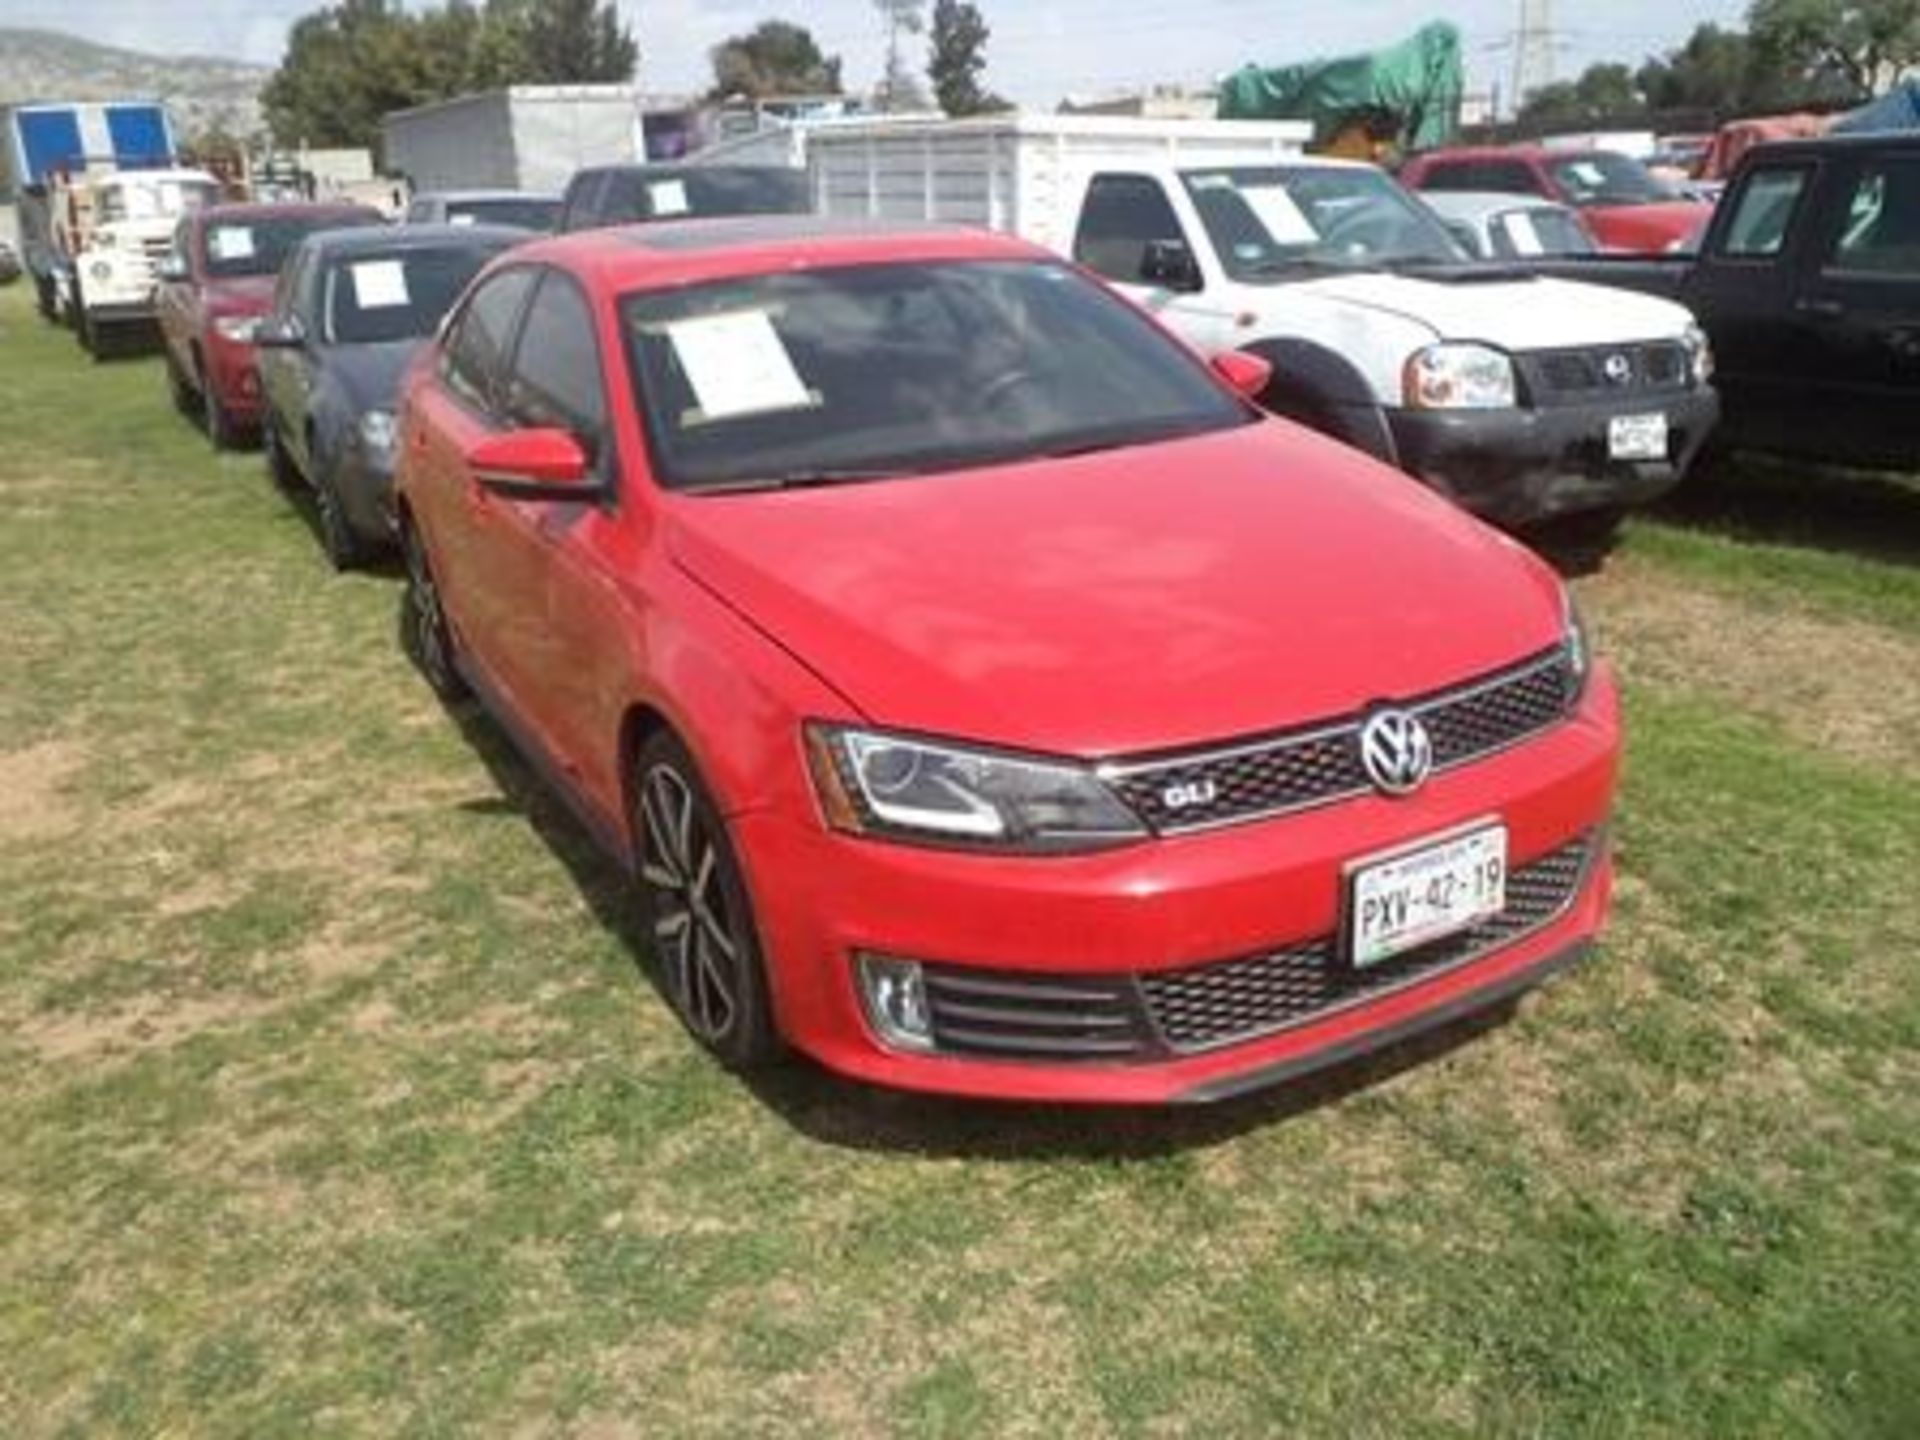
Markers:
point(423, 623)
point(694, 928)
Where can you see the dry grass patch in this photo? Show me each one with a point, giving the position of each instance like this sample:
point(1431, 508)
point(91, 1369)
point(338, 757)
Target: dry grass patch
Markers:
point(34, 804)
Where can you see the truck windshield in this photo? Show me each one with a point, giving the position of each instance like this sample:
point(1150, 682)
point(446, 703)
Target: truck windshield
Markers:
point(154, 199)
point(1274, 224)
point(378, 299)
point(525, 212)
point(876, 371)
point(1601, 177)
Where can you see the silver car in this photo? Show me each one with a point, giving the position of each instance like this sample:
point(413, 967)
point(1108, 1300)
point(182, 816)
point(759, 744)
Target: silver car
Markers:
point(1509, 227)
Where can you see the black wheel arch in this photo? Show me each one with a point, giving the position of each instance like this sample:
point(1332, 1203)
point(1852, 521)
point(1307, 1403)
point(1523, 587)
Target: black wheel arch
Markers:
point(1323, 389)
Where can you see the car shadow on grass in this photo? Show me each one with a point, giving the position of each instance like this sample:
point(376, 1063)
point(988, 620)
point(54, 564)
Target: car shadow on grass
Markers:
point(848, 1114)
point(1756, 499)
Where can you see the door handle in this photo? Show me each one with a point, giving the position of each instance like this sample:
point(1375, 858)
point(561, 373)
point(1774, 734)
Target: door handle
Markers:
point(1820, 309)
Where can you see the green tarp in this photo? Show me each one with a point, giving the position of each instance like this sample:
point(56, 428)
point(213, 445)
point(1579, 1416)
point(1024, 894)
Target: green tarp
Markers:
point(1410, 91)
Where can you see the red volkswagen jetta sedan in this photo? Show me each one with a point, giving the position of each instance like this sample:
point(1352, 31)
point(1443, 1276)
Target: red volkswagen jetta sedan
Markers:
point(986, 697)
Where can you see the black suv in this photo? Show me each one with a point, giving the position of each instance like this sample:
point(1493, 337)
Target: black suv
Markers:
point(636, 194)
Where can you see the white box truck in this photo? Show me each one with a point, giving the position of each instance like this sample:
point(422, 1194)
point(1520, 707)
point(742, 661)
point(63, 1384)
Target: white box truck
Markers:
point(1529, 401)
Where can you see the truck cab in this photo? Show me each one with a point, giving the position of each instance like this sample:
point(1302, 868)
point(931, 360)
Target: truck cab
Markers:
point(111, 230)
point(1526, 400)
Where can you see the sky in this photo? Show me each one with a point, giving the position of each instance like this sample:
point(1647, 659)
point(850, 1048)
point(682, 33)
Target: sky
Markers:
point(1040, 50)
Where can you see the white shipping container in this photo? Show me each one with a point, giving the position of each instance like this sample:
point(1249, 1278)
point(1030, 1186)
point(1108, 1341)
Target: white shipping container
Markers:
point(1018, 173)
point(529, 137)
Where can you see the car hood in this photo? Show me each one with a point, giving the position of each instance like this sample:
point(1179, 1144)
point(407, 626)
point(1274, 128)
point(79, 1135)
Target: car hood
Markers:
point(239, 295)
point(1652, 227)
point(1515, 312)
point(369, 375)
point(1114, 604)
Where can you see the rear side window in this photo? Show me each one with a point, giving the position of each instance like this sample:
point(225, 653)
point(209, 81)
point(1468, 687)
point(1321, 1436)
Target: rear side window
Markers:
point(556, 367)
point(477, 347)
point(1881, 232)
point(580, 211)
point(1124, 214)
point(1763, 212)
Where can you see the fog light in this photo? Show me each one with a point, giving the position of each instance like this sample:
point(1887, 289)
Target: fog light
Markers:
point(895, 995)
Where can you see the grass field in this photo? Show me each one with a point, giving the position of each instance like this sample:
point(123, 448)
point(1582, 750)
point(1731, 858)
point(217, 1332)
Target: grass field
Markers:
point(336, 1100)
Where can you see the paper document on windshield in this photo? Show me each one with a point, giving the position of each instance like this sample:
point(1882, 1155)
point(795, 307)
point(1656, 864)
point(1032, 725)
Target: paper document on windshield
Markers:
point(1526, 239)
point(1283, 219)
point(737, 365)
point(669, 197)
point(379, 284)
point(230, 242)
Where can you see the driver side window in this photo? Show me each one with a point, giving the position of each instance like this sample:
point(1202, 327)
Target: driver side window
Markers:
point(1123, 215)
point(555, 380)
point(476, 349)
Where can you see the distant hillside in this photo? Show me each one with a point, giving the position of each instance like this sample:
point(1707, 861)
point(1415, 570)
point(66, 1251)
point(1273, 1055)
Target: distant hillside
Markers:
point(200, 93)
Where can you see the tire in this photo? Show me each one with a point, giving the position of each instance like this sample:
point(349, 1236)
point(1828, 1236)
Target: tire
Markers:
point(214, 419)
point(1581, 542)
point(179, 388)
point(425, 634)
point(48, 298)
point(279, 464)
point(699, 921)
point(344, 548)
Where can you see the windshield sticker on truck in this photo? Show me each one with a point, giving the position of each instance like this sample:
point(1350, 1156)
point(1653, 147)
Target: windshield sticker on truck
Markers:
point(379, 284)
point(1275, 209)
point(1526, 240)
point(669, 197)
point(230, 242)
point(737, 365)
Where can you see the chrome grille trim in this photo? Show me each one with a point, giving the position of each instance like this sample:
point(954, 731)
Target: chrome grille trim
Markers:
point(1319, 765)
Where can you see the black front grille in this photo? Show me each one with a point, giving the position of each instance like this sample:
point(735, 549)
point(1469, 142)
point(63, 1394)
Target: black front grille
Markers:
point(1322, 764)
point(1239, 1000)
point(1038, 1017)
point(1016, 1016)
point(1576, 376)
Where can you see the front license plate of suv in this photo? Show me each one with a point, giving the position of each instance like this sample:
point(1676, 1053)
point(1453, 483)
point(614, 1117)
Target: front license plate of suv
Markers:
point(1414, 897)
point(1637, 437)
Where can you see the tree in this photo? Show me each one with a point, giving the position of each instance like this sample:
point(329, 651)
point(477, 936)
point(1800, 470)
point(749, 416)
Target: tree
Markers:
point(1716, 71)
point(957, 53)
point(900, 89)
point(575, 42)
point(1864, 44)
point(1604, 94)
point(774, 58)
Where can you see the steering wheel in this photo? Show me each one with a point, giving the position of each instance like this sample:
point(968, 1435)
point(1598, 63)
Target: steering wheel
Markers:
point(1001, 386)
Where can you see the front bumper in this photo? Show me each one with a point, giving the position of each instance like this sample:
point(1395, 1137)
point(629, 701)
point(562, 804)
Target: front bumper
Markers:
point(233, 373)
point(1524, 466)
point(1161, 908)
point(119, 312)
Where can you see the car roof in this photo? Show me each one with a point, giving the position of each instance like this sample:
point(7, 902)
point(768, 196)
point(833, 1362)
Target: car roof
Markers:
point(1826, 144)
point(1482, 204)
point(385, 239)
point(457, 197)
point(637, 256)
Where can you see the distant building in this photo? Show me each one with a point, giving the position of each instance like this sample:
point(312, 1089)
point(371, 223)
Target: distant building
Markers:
point(1160, 102)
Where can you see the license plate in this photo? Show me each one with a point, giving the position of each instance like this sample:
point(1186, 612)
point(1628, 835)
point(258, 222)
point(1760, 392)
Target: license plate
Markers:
point(1637, 437)
point(1417, 896)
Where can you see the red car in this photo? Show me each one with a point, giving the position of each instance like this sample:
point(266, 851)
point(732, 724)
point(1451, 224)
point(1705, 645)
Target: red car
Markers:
point(1622, 204)
point(214, 287)
point(984, 695)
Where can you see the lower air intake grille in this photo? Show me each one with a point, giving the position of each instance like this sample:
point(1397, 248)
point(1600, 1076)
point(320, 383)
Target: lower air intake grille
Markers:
point(1238, 1000)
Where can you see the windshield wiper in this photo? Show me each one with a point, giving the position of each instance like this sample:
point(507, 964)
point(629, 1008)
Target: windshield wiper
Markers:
point(800, 480)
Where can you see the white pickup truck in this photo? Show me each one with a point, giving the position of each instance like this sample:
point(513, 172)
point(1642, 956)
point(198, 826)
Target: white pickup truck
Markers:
point(110, 230)
point(1527, 400)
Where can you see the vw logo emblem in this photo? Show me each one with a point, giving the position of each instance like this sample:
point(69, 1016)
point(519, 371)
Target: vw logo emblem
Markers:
point(1619, 369)
point(1396, 751)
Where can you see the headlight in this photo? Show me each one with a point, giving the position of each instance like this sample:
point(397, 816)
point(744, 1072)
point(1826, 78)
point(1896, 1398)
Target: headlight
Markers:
point(1579, 651)
point(376, 433)
point(1460, 377)
point(237, 328)
point(1699, 354)
point(101, 270)
point(872, 783)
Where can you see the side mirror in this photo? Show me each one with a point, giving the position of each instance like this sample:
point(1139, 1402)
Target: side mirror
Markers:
point(1171, 265)
point(172, 270)
point(1247, 373)
point(280, 333)
point(533, 465)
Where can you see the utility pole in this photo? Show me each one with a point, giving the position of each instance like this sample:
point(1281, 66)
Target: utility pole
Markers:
point(1532, 50)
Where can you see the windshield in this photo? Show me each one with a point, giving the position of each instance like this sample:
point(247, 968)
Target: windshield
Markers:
point(1538, 230)
point(1604, 178)
point(376, 299)
point(728, 190)
point(522, 212)
point(154, 199)
point(870, 371)
point(233, 248)
point(1269, 223)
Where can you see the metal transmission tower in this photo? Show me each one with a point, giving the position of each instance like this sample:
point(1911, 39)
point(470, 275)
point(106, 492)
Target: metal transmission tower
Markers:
point(1533, 50)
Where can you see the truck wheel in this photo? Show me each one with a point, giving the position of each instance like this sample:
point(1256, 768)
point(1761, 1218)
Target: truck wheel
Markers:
point(1580, 543)
point(179, 388)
